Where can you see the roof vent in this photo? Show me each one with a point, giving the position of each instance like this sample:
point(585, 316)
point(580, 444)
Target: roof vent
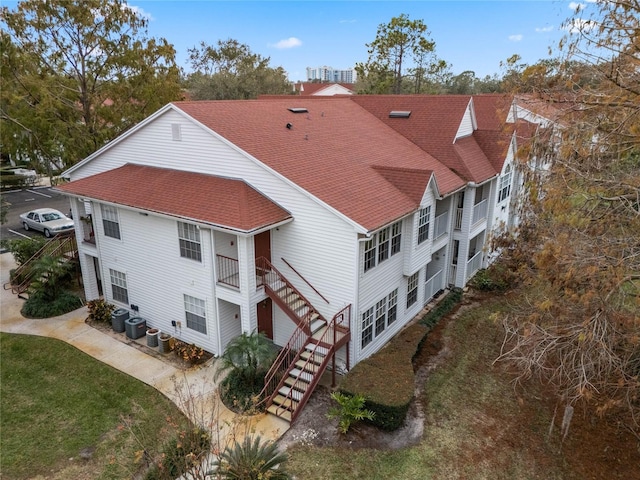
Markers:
point(399, 113)
point(298, 110)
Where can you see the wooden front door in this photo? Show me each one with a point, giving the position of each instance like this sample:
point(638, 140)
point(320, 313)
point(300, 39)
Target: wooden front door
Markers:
point(262, 245)
point(265, 317)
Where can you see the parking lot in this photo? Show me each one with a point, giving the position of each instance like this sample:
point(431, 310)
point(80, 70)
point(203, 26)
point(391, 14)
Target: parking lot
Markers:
point(21, 201)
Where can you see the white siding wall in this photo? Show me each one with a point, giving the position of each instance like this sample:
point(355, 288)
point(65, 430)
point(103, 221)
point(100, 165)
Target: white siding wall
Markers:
point(318, 243)
point(157, 277)
point(230, 322)
point(467, 126)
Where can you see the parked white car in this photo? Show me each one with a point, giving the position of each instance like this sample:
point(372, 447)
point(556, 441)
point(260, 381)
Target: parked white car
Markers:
point(46, 220)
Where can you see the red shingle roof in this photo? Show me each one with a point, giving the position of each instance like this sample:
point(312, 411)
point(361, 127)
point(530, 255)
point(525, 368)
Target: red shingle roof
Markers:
point(203, 198)
point(330, 151)
point(433, 125)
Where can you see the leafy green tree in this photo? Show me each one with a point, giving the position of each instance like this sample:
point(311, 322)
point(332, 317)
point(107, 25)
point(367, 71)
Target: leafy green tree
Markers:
point(252, 459)
point(24, 248)
point(350, 409)
point(402, 50)
point(232, 71)
point(577, 326)
point(76, 74)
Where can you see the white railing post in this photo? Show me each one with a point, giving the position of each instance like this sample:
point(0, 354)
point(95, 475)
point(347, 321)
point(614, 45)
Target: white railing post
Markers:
point(479, 211)
point(441, 224)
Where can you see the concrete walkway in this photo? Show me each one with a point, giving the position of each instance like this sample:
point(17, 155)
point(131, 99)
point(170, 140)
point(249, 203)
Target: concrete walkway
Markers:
point(193, 391)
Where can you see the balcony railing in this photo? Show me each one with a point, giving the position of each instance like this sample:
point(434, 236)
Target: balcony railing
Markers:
point(479, 211)
point(228, 271)
point(432, 286)
point(441, 224)
point(474, 264)
point(458, 223)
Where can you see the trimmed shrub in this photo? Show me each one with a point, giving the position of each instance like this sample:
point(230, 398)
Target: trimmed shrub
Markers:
point(386, 379)
point(39, 305)
point(496, 278)
point(240, 395)
point(447, 304)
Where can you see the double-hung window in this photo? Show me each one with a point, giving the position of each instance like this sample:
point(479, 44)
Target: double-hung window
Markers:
point(119, 287)
point(504, 190)
point(190, 246)
point(369, 254)
point(412, 289)
point(195, 314)
point(367, 328)
point(396, 237)
point(110, 221)
point(424, 222)
point(383, 245)
point(377, 318)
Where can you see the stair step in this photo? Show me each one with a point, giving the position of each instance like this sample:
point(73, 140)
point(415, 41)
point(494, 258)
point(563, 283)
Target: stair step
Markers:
point(317, 335)
point(279, 412)
point(312, 347)
point(302, 374)
point(300, 384)
point(313, 358)
point(317, 325)
point(308, 367)
point(295, 394)
point(288, 403)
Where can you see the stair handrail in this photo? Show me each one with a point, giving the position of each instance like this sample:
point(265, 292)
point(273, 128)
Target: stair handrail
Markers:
point(59, 248)
point(266, 266)
point(304, 279)
point(280, 365)
point(317, 372)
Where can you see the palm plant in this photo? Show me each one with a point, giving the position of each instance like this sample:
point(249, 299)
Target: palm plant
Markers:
point(350, 409)
point(252, 460)
point(248, 356)
point(52, 274)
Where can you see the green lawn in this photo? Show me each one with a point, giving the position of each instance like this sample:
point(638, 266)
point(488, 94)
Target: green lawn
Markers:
point(475, 425)
point(57, 401)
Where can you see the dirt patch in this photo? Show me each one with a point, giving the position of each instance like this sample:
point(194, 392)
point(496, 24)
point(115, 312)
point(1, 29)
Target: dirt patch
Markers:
point(594, 449)
point(313, 427)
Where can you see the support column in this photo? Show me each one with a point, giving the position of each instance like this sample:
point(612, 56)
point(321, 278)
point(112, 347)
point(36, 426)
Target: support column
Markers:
point(247, 279)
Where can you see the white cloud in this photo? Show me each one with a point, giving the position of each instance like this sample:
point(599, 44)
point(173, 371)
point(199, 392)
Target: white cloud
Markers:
point(578, 7)
point(579, 25)
point(290, 42)
point(515, 38)
point(544, 29)
point(139, 11)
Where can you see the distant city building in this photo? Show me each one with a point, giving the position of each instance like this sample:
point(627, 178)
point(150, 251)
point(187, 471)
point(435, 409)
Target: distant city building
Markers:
point(329, 74)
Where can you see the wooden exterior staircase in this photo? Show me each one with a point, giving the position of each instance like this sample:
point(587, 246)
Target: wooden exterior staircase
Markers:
point(63, 246)
point(302, 361)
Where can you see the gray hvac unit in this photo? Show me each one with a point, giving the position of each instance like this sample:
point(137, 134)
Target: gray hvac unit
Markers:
point(118, 317)
point(136, 327)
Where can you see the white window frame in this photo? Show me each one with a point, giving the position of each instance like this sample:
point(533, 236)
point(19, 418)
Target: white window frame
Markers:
point(195, 313)
point(412, 289)
point(396, 238)
point(189, 241)
point(504, 189)
point(110, 221)
point(366, 330)
point(424, 224)
point(382, 246)
point(119, 284)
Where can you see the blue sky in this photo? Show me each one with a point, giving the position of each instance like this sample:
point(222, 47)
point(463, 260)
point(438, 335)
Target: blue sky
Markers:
point(470, 35)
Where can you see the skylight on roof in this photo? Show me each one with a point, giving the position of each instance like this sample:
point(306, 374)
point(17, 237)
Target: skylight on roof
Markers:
point(399, 113)
point(298, 109)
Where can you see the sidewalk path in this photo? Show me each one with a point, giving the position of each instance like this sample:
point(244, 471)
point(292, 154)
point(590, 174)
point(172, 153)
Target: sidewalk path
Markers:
point(192, 390)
